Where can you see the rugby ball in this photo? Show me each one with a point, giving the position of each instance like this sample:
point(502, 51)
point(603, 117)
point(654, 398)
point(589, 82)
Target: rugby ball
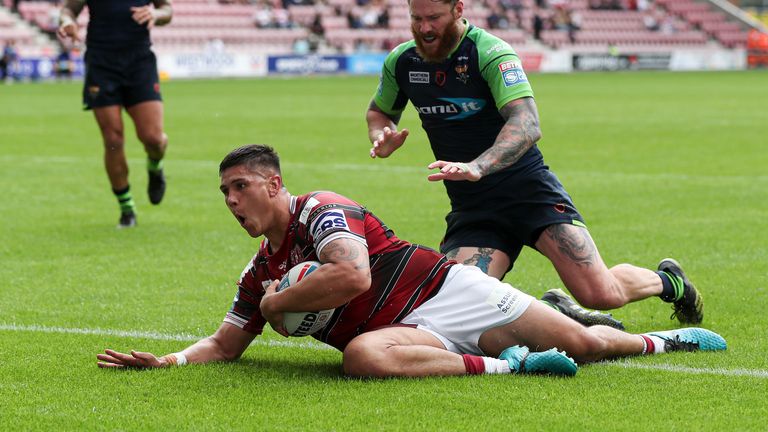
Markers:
point(303, 323)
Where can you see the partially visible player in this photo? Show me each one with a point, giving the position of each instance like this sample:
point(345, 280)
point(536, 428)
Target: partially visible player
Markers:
point(121, 72)
point(477, 108)
point(401, 309)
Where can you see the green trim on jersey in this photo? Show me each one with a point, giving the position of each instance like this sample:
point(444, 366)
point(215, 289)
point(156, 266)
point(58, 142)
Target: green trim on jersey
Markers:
point(386, 94)
point(492, 53)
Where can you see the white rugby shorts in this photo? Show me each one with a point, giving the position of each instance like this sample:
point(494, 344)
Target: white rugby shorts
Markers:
point(469, 303)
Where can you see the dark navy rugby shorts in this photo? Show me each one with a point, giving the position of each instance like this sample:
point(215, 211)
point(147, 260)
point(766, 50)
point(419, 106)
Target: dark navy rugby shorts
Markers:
point(514, 216)
point(121, 77)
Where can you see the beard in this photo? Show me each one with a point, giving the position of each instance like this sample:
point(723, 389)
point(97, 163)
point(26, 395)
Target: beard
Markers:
point(438, 50)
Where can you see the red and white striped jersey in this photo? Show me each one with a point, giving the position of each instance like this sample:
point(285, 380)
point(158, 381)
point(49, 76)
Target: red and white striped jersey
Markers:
point(403, 275)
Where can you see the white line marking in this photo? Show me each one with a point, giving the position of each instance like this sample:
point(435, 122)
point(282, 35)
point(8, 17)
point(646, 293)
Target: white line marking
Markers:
point(757, 373)
point(180, 337)
point(311, 344)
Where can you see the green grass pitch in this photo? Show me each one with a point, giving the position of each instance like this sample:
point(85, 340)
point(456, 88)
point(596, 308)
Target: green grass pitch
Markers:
point(659, 164)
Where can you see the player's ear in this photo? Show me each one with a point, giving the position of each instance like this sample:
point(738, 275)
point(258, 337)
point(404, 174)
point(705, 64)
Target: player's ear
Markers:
point(275, 184)
point(458, 9)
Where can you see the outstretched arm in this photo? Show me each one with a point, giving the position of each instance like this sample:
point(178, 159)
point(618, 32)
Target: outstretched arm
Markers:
point(519, 133)
point(227, 344)
point(382, 132)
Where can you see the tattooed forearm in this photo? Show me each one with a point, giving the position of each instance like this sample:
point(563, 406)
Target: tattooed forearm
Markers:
point(519, 134)
point(573, 242)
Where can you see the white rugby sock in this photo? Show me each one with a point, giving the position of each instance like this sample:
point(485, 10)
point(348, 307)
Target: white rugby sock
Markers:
point(496, 366)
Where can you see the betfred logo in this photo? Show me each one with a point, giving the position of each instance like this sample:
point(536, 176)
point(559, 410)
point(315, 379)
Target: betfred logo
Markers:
point(508, 65)
point(512, 73)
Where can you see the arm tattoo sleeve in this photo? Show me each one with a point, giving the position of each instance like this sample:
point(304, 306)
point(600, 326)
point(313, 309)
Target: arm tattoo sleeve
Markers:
point(520, 133)
point(342, 250)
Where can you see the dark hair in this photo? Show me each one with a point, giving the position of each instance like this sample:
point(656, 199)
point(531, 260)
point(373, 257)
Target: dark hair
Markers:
point(252, 156)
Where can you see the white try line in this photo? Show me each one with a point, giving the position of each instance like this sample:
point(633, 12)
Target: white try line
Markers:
point(311, 344)
point(133, 334)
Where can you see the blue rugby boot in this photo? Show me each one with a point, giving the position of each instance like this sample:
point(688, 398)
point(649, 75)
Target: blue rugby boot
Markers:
point(552, 361)
point(691, 339)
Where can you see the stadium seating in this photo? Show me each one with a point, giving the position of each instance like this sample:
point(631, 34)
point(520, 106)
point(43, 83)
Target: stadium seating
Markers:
point(197, 23)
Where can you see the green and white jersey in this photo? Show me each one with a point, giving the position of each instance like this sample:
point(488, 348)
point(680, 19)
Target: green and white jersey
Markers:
point(458, 100)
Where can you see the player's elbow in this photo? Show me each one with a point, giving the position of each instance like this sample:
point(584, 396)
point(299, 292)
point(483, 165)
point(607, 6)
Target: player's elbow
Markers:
point(534, 133)
point(352, 279)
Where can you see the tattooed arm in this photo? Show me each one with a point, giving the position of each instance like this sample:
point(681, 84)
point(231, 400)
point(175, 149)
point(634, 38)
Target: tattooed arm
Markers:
point(344, 275)
point(519, 134)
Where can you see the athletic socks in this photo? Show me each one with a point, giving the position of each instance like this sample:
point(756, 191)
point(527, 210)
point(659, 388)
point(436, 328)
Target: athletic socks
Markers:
point(154, 165)
point(652, 344)
point(672, 287)
point(125, 199)
point(477, 365)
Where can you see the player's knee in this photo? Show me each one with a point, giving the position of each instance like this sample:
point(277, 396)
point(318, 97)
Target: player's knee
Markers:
point(153, 140)
point(113, 139)
point(588, 346)
point(365, 357)
point(603, 294)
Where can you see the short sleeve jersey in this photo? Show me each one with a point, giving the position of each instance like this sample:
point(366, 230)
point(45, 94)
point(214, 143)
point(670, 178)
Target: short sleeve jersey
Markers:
point(458, 100)
point(111, 27)
point(403, 275)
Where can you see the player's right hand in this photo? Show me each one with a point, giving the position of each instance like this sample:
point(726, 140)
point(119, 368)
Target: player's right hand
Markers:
point(69, 31)
point(136, 359)
point(387, 142)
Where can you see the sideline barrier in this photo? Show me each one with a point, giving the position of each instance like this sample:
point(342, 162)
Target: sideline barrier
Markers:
point(230, 64)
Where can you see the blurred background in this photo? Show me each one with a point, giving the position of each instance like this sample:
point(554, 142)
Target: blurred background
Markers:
point(251, 38)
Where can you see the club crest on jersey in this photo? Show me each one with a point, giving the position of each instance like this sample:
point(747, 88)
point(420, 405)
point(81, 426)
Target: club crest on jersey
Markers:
point(416, 77)
point(440, 78)
point(461, 73)
point(333, 219)
point(512, 73)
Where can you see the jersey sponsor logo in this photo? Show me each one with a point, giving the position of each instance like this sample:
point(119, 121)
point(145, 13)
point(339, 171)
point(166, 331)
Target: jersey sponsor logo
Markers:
point(311, 204)
point(333, 219)
point(460, 108)
point(416, 77)
point(512, 73)
point(499, 47)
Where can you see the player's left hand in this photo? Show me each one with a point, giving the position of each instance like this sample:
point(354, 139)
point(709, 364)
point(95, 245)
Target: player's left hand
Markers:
point(143, 15)
point(454, 171)
point(274, 318)
point(136, 359)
